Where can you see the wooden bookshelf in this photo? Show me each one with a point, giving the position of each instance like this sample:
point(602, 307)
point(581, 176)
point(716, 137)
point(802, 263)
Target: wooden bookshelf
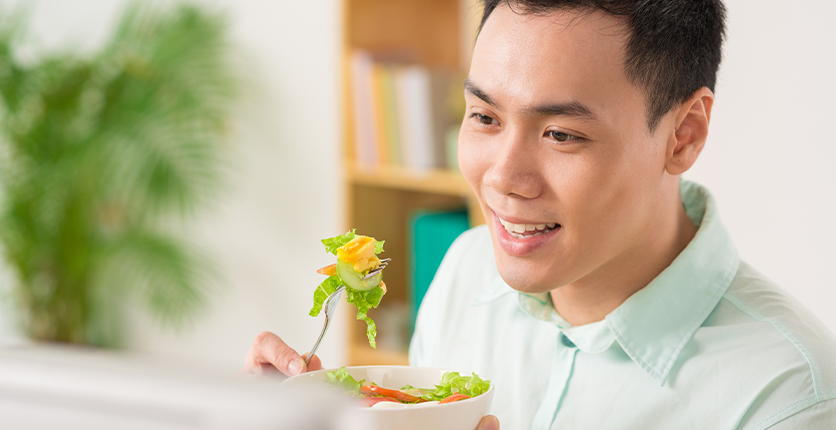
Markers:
point(380, 200)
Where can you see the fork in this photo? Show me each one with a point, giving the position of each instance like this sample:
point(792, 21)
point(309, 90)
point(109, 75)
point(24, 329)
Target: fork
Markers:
point(331, 306)
point(378, 269)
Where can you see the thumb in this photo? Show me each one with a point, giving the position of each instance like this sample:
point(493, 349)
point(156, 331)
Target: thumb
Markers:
point(489, 422)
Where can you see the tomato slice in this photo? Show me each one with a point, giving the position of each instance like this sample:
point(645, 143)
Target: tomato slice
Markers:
point(392, 394)
point(454, 398)
point(328, 270)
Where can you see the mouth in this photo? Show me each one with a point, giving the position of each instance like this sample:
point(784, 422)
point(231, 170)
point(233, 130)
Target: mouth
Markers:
point(521, 238)
point(526, 230)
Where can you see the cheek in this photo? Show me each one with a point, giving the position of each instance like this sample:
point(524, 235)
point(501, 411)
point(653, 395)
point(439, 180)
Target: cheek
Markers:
point(472, 162)
point(615, 190)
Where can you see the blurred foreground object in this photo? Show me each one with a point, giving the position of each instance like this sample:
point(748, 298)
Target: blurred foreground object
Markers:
point(95, 153)
point(66, 387)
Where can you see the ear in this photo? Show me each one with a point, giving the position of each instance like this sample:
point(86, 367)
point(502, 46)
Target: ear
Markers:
point(690, 132)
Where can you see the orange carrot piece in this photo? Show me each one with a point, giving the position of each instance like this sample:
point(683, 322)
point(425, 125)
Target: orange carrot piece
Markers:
point(392, 394)
point(454, 398)
point(330, 270)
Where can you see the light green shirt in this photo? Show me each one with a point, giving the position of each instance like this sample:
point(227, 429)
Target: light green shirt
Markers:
point(709, 344)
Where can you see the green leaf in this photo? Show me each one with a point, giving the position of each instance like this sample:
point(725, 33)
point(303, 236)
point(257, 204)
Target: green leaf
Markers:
point(325, 289)
point(378, 246)
point(365, 300)
point(165, 273)
point(454, 383)
point(341, 379)
point(333, 243)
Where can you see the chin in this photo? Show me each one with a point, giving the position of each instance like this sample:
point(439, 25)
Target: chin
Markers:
point(527, 276)
point(523, 281)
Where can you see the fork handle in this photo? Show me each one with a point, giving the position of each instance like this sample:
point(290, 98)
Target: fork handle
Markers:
point(316, 345)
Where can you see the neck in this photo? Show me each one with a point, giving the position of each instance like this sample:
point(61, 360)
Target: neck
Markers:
point(593, 297)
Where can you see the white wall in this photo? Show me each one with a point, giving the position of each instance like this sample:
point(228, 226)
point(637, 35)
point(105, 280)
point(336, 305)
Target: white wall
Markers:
point(768, 160)
point(771, 154)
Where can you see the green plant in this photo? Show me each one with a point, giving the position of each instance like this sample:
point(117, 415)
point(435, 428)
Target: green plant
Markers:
point(98, 154)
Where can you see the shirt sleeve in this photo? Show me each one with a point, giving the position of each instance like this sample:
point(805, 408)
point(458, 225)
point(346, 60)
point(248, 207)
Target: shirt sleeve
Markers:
point(820, 416)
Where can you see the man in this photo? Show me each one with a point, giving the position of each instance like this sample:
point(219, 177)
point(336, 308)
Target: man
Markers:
point(604, 291)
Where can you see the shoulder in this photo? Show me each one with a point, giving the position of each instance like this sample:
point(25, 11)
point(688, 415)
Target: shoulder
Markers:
point(787, 350)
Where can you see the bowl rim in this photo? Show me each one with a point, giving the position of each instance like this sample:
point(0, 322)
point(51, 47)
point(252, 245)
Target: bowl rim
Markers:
point(411, 406)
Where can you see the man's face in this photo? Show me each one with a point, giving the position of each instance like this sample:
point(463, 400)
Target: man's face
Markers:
point(554, 134)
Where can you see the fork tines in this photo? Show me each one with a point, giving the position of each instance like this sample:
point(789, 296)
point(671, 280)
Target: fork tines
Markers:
point(378, 269)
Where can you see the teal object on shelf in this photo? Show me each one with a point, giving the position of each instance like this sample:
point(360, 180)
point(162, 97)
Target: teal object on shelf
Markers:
point(431, 234)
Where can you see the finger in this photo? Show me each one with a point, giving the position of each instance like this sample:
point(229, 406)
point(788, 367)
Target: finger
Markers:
point(314, 364)
point(253, 364)
point(269, 350)
point(489, 422)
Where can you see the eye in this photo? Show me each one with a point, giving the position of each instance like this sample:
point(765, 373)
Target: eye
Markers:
point(560, 136)
point(483, 119)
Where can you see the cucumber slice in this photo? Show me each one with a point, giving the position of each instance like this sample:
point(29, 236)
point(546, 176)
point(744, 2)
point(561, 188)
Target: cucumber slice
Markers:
point(354, 280)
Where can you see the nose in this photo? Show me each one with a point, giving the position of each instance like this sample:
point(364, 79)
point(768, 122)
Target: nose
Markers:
point(513, 169)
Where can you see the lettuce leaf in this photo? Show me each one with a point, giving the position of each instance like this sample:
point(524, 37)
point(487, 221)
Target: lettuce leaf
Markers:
point(332, 243)
point(453, 383)
point(325, 289)
point(362, 300)
point(365, 300)
point(341, 379)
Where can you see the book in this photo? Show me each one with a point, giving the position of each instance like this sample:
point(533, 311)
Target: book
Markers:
point(390, 114)
point(415, 113)
point(441, 85)
point(378, 96)
point(365, 132)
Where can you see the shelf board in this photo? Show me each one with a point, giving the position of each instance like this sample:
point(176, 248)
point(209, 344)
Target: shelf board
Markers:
point(430, 181)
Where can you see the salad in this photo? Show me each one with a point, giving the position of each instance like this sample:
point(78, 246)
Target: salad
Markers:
point(356, 257)
point(452, 388)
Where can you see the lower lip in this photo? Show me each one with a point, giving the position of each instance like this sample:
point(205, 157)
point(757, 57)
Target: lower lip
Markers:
point(521, 247)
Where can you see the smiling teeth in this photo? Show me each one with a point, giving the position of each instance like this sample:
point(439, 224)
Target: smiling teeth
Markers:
point(516, 230)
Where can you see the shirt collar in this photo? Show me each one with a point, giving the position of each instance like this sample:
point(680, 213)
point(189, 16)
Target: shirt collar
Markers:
point(655, 323)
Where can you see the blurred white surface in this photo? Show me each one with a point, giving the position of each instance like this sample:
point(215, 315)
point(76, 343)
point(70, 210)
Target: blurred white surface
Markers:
point(769, 161)
point(48, 386)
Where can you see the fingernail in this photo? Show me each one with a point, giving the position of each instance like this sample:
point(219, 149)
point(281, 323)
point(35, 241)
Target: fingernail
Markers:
point(491, 423)
point(295, 367)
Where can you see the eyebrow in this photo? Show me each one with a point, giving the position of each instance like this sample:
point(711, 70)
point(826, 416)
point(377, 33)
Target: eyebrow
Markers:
point(572, 108)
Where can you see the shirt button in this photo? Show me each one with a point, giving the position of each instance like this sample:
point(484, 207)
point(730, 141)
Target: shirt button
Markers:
point(566, 342)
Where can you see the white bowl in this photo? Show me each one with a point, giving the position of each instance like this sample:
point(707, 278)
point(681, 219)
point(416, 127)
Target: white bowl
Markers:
point(461, 415)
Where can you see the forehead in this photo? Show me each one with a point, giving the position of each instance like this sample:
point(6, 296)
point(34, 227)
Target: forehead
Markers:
point(523, 59)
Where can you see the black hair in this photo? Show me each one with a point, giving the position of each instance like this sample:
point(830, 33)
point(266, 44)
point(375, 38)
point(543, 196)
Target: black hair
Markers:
point(673, 48)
